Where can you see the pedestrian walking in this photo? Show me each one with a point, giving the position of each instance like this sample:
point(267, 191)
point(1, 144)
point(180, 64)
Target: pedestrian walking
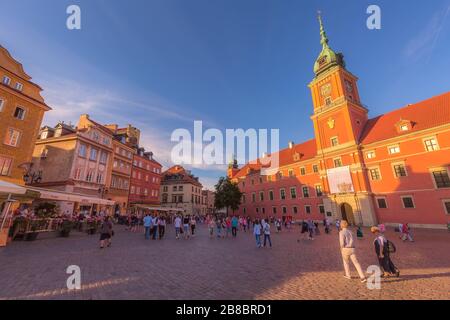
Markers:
point(338, 225)
point(311, 227)
point(193, 225)
point(219, 228)
point(106, 232)
point(266, 230)
point(147, 226)
point(347, 246)
point(359, 233)
point(154, 228)
point(234, 226)
point(257, 233)
point(278, 225)
point(406, 233)
point(211, 226)
point(186, 227)
point(161, 227)
point(177, 225)
point(244, 224)
point(383, 248)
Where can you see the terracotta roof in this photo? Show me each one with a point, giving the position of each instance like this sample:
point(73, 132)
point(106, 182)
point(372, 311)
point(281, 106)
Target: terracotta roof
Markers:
point(304, 151)
point(185, 177)
point(422, 115)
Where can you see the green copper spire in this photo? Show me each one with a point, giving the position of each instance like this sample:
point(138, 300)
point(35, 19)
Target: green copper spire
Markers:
point(323, 34)
point(327, 57)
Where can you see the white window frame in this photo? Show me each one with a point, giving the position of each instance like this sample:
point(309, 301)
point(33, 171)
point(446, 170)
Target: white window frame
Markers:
point(340, 160)
point(19, 138)
point(310, 209)
point(413, 201)
point(6, 80)
point(385, 201)
point(434, 180)
point(393, 169)
point(395, 147)
point(321, 206)
point(379, 173)
point(23, 115)
point(369, 153)
point(19, 86)
point(331, 141)
point(2, 103)
point(444, 201)
point(428, 139)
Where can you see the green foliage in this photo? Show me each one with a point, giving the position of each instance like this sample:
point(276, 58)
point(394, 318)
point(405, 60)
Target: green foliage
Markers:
point(227, 194)
point(46, 210)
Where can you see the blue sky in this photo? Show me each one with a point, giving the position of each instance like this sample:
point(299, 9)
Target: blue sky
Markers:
point(161, 64)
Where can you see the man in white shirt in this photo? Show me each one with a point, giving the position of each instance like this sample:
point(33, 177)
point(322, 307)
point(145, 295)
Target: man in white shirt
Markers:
point(347, 245)
point(177, 224)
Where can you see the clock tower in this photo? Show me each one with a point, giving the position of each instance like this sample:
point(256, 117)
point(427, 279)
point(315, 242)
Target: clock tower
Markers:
point(339, 116)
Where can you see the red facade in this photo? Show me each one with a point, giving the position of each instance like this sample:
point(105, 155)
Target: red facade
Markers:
point(145, 179)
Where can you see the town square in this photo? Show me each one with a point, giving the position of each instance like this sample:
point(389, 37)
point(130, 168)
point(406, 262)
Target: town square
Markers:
point(215, 150)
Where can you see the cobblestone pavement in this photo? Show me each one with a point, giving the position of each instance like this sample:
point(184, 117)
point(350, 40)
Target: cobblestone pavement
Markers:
point(203, 268)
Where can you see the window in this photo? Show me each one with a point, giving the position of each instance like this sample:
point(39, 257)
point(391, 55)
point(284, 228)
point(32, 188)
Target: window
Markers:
point(271, 195)
point(99, 178)
point(269, 178)
point(5, 166)
point(381, 202)
point(165, 188)
point(12, 137)
point(274, 210)
point(77, 174)
point(408, 202)
point(334, 141)
point(321, 209)
point(2, 102)
point(174, 188)
point(294, 210)
point(245, 211)
point(95, 136)
point(284, 210)
point(6, 80)
point(319, 192)
point(243, 198)
point(93, 154)
point(315, 168)
point(441, 178)
point(291, 172)
point(132, 190)
point(305, 191)
point(308, 209)
point(375, 174)
point(103, 157)
point(260, 180)
point(282, 194)
point(293, 193)
point(19, 113)
point(261, 196)
point(404, 127)
point(180, 188)
point(394, 149)
point(370, 155)
point(82, 151)
point(337, 162)
point(263, 210)
point(328, 101)
point(447, 206)
point(253, 197)
point(430, 144)
point(90, 176)
point(302, 171)
point(399, 170)
point(257, 210)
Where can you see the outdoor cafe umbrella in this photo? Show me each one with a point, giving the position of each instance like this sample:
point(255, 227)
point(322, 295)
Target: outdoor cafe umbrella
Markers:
point(9, 189)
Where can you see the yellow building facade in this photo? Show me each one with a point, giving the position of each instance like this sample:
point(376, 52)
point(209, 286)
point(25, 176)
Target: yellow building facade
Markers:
point(21, 111)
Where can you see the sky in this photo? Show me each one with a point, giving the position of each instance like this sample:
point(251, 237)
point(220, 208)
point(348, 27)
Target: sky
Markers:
point(161, 64)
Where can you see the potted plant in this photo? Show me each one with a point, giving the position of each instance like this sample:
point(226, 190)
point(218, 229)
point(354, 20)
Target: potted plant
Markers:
point(34, 226)
point(65, 228)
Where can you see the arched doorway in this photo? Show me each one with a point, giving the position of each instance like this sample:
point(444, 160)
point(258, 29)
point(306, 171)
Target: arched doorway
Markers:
point(347, 213)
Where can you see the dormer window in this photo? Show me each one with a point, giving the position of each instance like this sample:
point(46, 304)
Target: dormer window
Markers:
point(19, 86)
point(404, 126)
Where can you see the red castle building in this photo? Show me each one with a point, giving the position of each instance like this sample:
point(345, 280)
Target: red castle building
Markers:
point(390, 169)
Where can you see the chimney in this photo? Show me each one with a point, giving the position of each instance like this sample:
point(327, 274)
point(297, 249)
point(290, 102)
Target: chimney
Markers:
point(291, 144)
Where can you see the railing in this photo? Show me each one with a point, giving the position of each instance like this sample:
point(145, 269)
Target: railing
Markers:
point(37, 225)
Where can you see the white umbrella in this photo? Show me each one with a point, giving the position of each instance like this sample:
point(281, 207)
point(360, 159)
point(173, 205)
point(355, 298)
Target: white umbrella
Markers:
point(11, 188)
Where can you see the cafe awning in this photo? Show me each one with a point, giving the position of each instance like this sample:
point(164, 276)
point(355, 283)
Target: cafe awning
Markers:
point(55, 195)
point(155, 208)
point(11, 188)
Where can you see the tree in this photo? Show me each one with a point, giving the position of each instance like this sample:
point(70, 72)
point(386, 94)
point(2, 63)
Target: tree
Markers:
point(227, 195)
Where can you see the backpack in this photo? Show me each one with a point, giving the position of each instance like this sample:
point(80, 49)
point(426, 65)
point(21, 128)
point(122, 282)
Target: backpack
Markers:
point(391, 247)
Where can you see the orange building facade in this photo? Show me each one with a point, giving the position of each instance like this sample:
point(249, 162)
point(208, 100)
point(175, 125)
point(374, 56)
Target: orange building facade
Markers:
point(390, 169)
point(21, 111)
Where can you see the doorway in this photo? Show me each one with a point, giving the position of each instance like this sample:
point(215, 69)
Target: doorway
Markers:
point(347, 213)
